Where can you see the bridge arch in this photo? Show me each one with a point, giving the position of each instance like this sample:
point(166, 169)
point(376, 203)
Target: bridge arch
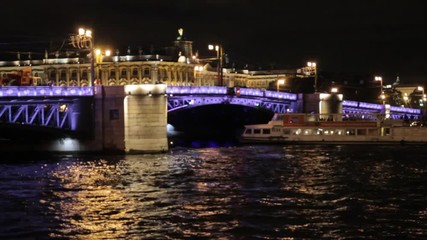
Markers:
point(189, 97)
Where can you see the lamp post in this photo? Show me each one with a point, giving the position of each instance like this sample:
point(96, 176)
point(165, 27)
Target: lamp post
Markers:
point(405, 99)
point(280, 82)
point(313, 67)
point(84, 40)
point(219, 53)
point(423, 96)
point(99, 57)
point(380, 79)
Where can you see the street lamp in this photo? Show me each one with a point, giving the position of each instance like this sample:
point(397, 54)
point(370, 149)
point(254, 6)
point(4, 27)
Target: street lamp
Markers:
point(313, 67)
point(380, 79)
point(280, 82)
point(405, 99)
point(219, 52)
point(423, 96)
point(84, 40)
point(99, 57)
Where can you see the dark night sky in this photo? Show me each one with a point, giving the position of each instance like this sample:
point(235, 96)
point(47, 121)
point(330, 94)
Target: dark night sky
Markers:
point(378, 37)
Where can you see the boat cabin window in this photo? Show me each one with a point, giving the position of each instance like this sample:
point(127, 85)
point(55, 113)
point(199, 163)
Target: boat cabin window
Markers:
point(296, 131)
point(276, 129)
point(287, 131)
point(248, 131)
point(308, 131)
point(350, 132)
point(329, 132)
point(257, 131)
point(266, 131)
point(318, 132)
point(361, 131)
point(339, 132)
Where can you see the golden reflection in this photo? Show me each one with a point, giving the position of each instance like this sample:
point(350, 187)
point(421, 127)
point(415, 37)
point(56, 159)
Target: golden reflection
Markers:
point(93, 200)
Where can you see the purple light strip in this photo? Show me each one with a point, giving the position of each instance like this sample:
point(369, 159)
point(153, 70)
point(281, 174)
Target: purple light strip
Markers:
point(370, 105)
point(41, 91)
point(350, 103)
point(405, 110)
point(281, 95)
point(195, 90)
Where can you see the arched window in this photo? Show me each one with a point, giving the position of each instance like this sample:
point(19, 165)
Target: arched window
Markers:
point(112, 74)
point(73, 74)
point(135, 73)
point(63, 75)
point(146, 72)
point(52, 75)
point(165, 74)
point(84, 74)
point(123, 73)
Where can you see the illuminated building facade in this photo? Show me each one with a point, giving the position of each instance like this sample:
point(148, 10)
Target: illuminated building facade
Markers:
point(176, 67)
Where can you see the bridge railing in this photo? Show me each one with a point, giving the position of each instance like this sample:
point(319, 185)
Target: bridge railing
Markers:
point(41, 91)
point(253, 92)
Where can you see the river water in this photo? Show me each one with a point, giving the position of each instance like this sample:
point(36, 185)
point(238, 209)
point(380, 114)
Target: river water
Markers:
point(240, 192)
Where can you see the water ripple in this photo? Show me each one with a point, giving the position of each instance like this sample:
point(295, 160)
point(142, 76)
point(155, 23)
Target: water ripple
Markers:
point(251, 192)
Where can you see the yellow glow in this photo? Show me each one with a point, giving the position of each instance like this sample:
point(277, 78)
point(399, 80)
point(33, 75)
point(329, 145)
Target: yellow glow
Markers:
point(88, 33)
point(107, 53)
point(198, 68)
point(144, 89)
point(281, 81)
point(211, 47)
point(81, 31)
point(97, 52)
point(334, 90)
point(419, 88)
point(311, 64)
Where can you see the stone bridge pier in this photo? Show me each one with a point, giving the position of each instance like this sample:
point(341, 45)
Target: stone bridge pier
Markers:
point(131, 118)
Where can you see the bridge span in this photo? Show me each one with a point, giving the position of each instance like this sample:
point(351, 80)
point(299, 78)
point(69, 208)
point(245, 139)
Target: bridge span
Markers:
point(133, 118)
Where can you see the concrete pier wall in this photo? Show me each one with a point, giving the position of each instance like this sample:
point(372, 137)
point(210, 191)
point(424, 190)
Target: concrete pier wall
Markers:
point(145, 118)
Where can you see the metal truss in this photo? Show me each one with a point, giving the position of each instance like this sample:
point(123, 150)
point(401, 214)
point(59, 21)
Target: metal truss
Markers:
point(45, 113)
point(181, 102)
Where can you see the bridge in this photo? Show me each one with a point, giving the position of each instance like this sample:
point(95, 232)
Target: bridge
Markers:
point(124, 117)
point(189, 97)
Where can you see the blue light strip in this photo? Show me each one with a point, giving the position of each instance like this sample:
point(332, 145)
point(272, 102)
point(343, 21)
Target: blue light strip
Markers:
point(196, 90)
point(281, 95)
point(41, 91)
point(375, 106)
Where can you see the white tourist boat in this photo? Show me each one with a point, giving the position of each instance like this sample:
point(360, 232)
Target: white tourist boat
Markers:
point(335, 129)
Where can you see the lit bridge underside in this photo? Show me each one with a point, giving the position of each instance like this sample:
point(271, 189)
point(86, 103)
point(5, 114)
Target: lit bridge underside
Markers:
point(41, 106)
point(43, 113)
point(189, 97)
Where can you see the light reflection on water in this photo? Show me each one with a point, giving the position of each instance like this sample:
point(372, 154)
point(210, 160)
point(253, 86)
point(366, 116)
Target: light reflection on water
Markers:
point(264, 192)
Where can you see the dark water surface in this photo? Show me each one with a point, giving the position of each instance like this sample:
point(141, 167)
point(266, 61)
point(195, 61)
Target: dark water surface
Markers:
point(246, 192)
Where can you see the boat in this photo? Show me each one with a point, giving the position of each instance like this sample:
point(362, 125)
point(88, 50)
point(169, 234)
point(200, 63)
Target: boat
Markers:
point(335, 129)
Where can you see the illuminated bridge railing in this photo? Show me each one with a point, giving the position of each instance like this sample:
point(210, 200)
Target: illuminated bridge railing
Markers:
point(188, 97)
point(374, 107)
point(250, 92)
point(45, 91)
point(195, 90)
